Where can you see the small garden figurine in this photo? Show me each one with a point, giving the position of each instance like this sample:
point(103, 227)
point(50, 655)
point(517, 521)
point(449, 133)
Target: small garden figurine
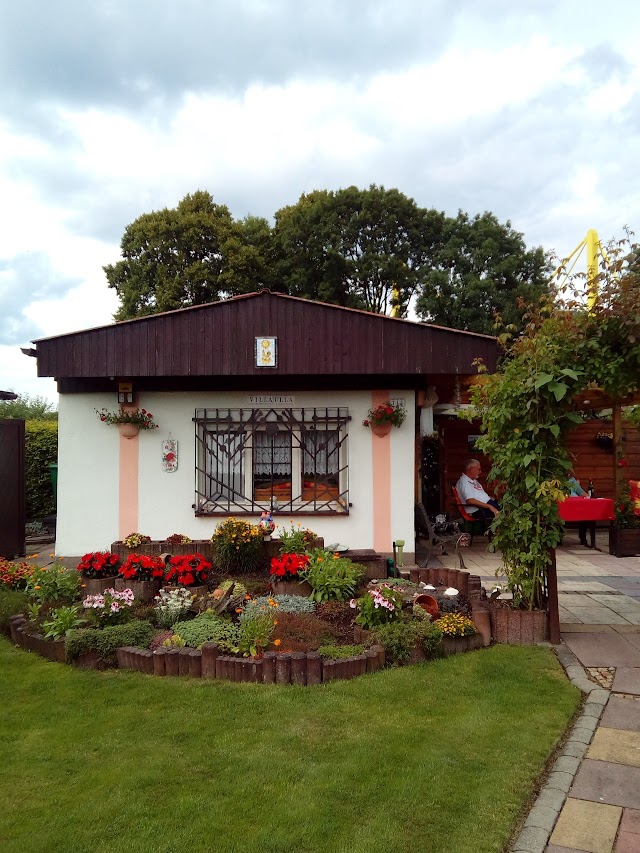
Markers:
point(266, 524)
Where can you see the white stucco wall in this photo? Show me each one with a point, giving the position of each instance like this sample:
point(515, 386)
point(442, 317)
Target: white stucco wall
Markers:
point(89, 471)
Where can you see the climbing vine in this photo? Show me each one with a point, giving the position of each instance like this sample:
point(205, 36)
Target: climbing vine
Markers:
point(527, 408)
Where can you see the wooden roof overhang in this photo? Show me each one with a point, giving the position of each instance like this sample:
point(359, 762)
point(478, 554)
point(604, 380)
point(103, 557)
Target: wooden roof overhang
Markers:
point(8, 395)
point(212, 347)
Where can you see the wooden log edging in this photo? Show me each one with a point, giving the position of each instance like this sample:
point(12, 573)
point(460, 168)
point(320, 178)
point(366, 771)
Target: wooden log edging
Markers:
point(301, 668)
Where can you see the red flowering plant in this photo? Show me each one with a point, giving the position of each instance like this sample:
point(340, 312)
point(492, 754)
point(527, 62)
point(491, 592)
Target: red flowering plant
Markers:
point(138, 417)
point(188, 569)
point(386, 413)
point(286, 566)
point(139, 567)
point(99, 564)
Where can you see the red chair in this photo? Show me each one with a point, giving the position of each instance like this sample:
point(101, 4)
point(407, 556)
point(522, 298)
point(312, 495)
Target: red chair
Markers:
point(471, 524)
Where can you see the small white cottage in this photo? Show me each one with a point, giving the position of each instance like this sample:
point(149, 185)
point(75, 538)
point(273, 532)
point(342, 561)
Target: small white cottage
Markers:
point(260, 402)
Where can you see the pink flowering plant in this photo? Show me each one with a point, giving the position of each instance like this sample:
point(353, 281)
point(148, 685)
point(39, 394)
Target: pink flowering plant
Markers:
point(379, 605)
point(110, 608)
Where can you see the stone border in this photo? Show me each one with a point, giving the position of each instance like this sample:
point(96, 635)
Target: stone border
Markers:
point(539, 824)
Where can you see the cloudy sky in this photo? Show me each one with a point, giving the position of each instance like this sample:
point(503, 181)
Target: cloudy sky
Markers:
point(112, 108)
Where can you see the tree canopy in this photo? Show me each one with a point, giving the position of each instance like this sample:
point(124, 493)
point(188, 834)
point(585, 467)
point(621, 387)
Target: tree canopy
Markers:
point(188, 255)
point(481, 269)
point(373, 249)
point(28, 408)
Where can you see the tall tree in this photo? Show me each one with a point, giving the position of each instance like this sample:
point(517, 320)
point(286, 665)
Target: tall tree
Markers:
point(481, 269)
point(361, 248)
point(188, 255)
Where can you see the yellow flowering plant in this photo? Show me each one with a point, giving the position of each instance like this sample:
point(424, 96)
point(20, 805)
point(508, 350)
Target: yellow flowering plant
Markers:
point(455, 625)
point(237, 547)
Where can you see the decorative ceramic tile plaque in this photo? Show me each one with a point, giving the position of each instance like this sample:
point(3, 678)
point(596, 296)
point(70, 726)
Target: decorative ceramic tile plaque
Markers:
point(170, 455)
point(266, 352)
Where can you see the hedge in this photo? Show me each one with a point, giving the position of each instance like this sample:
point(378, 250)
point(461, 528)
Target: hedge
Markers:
point(41, 440)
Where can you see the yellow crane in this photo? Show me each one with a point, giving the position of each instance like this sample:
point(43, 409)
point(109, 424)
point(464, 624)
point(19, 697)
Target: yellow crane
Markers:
point(594, 251)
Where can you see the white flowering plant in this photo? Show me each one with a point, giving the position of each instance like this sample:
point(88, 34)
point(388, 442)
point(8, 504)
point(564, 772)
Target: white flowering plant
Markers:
point(171, 605)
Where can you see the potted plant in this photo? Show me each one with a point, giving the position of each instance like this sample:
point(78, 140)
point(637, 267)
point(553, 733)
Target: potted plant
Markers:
point(285, 577)
point(142, 574)
point(188, 570)
point(605, 440)
point(624, 533)
point(128, 421)
point(99, 570)
point(458, 633)
point(237, 546)
point(385, 416)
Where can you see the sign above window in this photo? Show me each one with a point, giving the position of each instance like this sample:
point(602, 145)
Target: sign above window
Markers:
point(272, 399)
point(266, 349)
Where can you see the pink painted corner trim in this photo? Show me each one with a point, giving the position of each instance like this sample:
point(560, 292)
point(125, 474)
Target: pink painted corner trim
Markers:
point(128, 485)
point(381, 465)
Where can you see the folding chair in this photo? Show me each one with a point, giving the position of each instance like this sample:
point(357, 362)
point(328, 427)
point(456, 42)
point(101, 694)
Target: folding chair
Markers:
point(468, 521)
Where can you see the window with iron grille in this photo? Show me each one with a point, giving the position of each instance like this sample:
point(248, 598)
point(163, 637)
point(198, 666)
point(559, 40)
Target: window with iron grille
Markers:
point(288, 460)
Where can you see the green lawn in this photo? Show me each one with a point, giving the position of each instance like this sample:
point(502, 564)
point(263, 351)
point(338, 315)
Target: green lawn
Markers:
point(437, 757)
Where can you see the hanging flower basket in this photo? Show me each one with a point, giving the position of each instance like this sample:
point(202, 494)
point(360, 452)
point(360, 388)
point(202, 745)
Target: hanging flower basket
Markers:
point(381, 429)
point(128, 430)
point(383, 417)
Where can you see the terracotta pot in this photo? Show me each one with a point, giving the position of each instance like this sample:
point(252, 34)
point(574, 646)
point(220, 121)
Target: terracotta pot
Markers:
point(381, 429)
point(128, 430)
point(428, 603)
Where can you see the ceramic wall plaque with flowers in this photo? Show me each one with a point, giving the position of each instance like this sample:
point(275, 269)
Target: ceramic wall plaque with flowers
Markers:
point(170, 455)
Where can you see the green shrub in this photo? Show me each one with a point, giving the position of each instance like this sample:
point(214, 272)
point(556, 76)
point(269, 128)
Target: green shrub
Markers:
point(237, 547)
point(400, 638)
point(338, 652)
point(53, 583)
point(12, 601)
point(208, 628)
point(41, 449)
point(331, 576)
point(105, 641)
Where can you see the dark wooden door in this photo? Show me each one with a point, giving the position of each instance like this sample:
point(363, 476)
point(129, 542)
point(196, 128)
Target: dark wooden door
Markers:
point(12, 488)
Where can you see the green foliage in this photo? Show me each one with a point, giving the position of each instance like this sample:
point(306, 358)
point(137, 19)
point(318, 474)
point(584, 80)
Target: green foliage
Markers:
point(12, 601)
point(105, 641)
point(295, 539)
point(53, 583)
point(208, 628)
point(399, 639)
point(285, 603)
point(526, 409)
point(171, 605)
point(333, 652)
point(28, 409)
point(364, 248)
point(62, 620)
point(478, 269)
point(188, 255)
point(255, 633)
point(237, 547)
point(41, 449)
point(379, 605)
point(331, 576)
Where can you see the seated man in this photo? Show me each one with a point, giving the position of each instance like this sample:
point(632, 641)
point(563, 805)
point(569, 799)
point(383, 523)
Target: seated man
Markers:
point(474, 498)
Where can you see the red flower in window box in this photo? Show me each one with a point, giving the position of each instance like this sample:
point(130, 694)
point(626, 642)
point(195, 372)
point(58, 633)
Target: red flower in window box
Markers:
point(286, 566)
point(99, 564)
point(139, 567)
point(188, 570)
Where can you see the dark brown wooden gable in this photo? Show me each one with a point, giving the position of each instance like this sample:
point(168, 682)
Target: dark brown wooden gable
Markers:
point(313, 339)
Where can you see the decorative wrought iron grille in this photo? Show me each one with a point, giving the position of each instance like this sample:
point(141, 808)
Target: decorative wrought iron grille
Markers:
point(285, 460)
